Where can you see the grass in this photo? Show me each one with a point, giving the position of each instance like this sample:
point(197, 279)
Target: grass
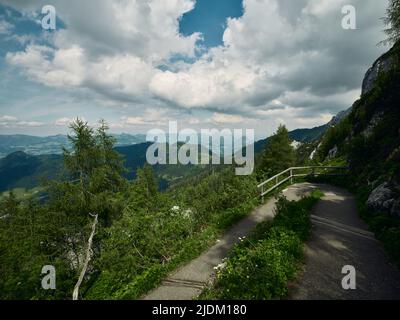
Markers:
point(260, 267)
point(191, 249)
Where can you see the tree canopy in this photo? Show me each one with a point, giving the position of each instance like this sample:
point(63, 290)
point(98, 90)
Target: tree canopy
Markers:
point(392, 21)
point(279, 153)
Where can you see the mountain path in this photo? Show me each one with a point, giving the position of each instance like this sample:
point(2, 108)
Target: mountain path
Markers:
point(339, 238)
point(188, 281)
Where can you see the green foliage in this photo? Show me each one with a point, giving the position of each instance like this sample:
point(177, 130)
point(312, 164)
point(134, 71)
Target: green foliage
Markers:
point(97, 172)
point(31, 237)
point(55, 232)
point(159, 231)
point(392, 20)
point(262, 271)
point(261, 267)
point(335, 136)
point(142, 233)
point(304, 152)
point(278, 154)
point(385, 228)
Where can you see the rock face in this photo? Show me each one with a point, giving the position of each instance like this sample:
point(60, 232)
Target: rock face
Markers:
point(333, 152)
point(383, 199)
point(372, 124)
point(383, 64)
point(339, 117)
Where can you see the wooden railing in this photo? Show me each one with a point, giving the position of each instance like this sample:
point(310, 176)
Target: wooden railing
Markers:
point(289, 174)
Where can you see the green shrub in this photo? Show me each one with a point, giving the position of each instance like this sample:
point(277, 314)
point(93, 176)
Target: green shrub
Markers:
point(261, 267)
point(262, 270)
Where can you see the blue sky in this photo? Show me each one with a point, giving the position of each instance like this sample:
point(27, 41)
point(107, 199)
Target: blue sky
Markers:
point(206, 64)
point(209, 18)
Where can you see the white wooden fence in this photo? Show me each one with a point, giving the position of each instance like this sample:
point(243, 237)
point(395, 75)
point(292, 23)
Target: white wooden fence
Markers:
point(289, 174)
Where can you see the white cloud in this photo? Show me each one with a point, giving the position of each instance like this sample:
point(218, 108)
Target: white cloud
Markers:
point(5, 27)
point(132, 121)
point(29, 124)
point(269, 56)
point(221, 118)
point(65, 69)
point(291, 52)
point(8, 119)
point(13, 122)
point(62, 122)
point(150, 118)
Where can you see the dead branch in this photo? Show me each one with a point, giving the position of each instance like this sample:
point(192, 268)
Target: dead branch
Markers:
point(89, 252)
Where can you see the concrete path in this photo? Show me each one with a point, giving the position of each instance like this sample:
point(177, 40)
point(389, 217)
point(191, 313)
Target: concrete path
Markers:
point(188, 281)
point(341, 238)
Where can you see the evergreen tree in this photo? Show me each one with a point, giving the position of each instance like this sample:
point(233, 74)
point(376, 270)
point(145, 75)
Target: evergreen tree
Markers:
point(96, 171)
point(392, 20)
point(144, 189)
point(9, 205)
point(279, 153)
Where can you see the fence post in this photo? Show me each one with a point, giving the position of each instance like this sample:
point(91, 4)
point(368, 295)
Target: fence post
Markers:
point(262, 194)
point(291, 176)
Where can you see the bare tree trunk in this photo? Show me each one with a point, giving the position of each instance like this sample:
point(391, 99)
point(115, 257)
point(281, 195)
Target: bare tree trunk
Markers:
point(87, 259)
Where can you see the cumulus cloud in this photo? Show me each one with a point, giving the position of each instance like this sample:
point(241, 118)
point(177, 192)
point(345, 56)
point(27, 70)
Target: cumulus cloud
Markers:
point(274, 53)
point(280, 58)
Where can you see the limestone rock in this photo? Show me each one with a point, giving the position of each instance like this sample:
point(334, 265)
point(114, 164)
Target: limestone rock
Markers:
point(383, 64)
point(333, 152)
point(382, 198)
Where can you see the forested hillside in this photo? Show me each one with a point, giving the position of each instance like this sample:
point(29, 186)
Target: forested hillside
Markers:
point(22, 170)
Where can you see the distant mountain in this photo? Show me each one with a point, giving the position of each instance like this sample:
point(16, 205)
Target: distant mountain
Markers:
point(33, 159)
point(300, 135)
point(33, 145)
point(307, 135)
point(21, 170)
point(27, 171)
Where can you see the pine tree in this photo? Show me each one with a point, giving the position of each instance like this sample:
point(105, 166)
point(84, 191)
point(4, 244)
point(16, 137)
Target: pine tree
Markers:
point(279, 153)
point(392, 20)
point(96, 172)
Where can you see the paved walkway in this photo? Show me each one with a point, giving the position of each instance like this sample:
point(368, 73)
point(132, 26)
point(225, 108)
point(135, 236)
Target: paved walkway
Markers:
point(188, 281)
point(341, 238)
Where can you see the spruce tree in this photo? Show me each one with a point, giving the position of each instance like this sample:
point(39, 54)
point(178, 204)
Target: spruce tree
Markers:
point(392, 20)
point(279, 153)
